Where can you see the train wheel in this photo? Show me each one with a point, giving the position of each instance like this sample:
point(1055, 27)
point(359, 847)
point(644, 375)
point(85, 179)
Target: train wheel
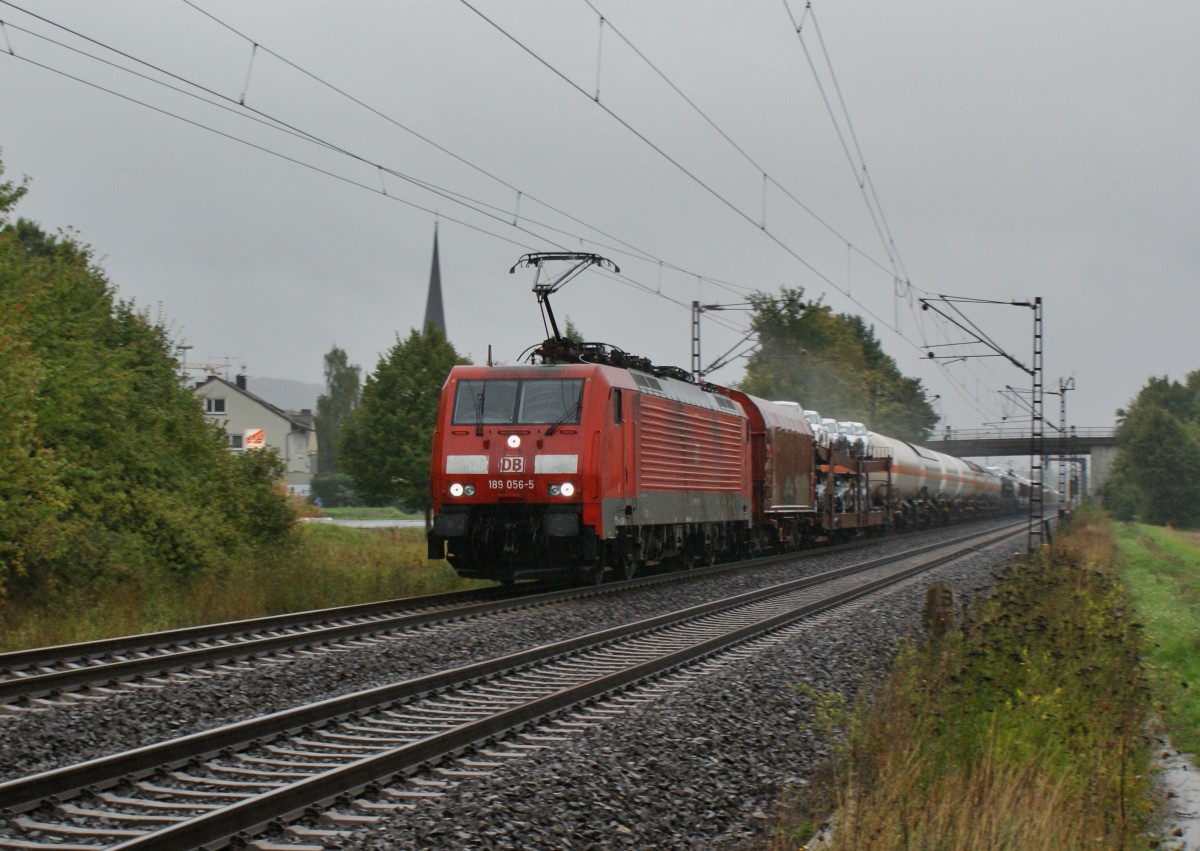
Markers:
point(698, 551)
point(596, 571)
point(629, 563)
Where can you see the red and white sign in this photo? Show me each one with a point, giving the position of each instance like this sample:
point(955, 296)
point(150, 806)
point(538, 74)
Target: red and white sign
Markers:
point(512, 464)
point(256, 438)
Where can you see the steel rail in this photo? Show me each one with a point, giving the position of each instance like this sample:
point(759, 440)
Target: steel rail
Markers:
point(16, 660)
point(27, 793)
point(90, 663)
point(62, 653)
point(165, 659)
point(255, 814)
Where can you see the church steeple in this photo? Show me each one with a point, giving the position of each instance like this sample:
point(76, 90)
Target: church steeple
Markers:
point(434, 314)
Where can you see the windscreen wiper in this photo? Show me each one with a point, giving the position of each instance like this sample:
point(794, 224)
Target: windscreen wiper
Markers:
point(573, 411)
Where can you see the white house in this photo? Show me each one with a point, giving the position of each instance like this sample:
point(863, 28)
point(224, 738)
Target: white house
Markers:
point(251, 423)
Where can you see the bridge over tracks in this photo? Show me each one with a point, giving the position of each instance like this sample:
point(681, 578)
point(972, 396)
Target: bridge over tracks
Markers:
point(1097, 445)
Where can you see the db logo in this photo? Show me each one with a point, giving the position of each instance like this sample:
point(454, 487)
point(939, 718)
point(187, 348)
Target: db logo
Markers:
point(512, 464)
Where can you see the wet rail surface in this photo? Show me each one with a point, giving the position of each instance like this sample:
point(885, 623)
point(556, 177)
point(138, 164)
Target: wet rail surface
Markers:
point(26, 674)
point(355, 755)
point(33, 679)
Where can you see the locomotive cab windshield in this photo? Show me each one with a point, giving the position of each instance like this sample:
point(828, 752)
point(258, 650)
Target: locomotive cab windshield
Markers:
point(508, 401)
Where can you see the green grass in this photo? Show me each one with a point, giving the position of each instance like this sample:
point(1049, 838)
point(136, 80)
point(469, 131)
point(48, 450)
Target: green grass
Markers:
point(387, 512)
point(1023, 729)
point(1162, 569)
point(327, 566)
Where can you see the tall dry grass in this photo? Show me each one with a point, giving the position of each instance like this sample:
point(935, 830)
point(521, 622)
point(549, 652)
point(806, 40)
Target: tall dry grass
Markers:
point(325, 566)
point(1023, 729)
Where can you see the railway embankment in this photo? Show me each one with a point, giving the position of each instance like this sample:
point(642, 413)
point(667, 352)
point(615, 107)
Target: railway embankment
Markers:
point(692, 762)
point(1043, 719)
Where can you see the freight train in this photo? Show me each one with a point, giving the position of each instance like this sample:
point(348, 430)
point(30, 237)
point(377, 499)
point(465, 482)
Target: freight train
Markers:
point(590, 461)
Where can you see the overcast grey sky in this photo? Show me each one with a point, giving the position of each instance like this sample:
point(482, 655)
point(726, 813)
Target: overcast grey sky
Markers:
point(1016, 150)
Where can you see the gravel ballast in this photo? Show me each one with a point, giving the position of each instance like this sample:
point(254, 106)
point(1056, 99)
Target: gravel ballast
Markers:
point(701, 768)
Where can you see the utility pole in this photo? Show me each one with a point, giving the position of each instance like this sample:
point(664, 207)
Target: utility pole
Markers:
point(1064, 450)
point(1037, 437)
point(698, 370)
point(1037, 445)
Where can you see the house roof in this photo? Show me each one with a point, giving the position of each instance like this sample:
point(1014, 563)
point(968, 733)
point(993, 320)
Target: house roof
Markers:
point(298, 419)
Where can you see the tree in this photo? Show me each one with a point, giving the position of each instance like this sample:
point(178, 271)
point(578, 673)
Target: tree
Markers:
point(570, 332)
point(833, 363)
point(107, 464)
point(343, 384)
point(1158, 439)
point(387, 440)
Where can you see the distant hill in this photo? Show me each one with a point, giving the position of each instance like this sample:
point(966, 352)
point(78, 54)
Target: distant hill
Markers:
point(286, 393)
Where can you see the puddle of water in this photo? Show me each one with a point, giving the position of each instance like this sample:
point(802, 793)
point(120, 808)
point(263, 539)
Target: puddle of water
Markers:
point(1180, 814)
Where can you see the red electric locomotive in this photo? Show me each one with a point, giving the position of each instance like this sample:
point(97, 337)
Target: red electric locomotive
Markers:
point(588, 465)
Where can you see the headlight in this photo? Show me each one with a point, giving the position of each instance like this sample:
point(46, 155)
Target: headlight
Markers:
point(567, 489)
point(469, 490)
point(456, 489)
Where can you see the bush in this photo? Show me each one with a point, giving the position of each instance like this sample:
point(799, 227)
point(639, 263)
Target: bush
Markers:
point(335, 490)
point(108, 467)
point(1022, 729)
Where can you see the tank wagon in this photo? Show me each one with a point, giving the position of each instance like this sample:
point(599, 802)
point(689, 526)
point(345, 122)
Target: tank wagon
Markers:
point(588, 460)
point(927, 487)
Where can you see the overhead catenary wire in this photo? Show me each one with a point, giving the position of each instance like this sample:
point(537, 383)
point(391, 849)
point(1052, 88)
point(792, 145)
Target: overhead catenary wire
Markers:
point(695, 178)
point(624, 280)
point(255, 46)
point(478, 207)
point(768, 179)
point(518, 192)
point(265, 119)
point(283, 127)
point(464, 199)
point(677, 164)
point(857, 166)
point(904, 287)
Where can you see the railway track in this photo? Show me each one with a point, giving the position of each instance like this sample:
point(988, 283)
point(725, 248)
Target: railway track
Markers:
point(31, 680)
point(113, 663)
point(359, 752)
